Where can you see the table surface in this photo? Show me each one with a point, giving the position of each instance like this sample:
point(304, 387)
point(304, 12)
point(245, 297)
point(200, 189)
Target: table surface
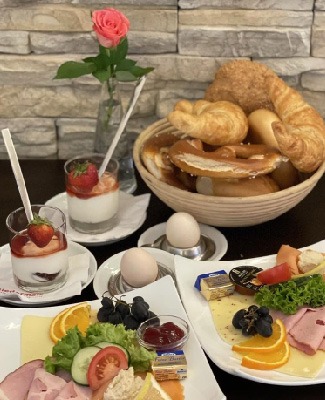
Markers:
point(301, 226)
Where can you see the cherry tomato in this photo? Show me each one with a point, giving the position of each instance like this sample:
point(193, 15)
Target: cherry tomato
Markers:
point(277, 274)
point(106, 364)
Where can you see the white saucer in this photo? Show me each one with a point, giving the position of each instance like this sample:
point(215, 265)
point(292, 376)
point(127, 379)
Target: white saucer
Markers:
point(73, 249)
point(153, 233)
point(132, 209)
point(112, 266)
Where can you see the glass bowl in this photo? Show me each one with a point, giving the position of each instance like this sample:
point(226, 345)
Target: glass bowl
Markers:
point(163, 332)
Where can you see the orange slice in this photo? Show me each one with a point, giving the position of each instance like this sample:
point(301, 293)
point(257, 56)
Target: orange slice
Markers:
point(265, 361)
point(260, 344)
point(78, 315)
point(55, 332)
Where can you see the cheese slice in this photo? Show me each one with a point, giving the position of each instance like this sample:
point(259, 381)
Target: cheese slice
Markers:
point(223, 310)
point(35, 341)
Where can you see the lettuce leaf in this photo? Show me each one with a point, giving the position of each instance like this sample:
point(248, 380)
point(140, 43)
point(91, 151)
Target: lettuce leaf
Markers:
point(290, 295)
point(64, 351)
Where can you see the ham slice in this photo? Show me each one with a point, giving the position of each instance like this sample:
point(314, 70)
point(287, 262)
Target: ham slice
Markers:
point(74, 391)
point(16, 385)
point(310, 330)
point(305, 329)
point(45, 386)
point(288, 320)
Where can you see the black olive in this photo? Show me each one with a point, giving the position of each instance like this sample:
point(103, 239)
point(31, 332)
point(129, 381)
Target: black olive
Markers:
point(107, 303)
point(130, 322)
point(262, 311)
point(103, 314)
point(238, 317)
point(263, 327)
point(115, 318)
point(140, 311)
point(123, 308)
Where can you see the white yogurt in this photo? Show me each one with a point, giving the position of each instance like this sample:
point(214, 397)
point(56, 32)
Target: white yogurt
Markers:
point(25, 268)
point(94, 209)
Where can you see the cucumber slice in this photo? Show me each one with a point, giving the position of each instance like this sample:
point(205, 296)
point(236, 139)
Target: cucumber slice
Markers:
point(102, 345)
point(80, 364)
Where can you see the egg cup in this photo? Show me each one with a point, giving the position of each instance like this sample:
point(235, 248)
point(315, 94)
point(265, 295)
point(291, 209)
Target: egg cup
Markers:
point(117, 285)
point(202, 251)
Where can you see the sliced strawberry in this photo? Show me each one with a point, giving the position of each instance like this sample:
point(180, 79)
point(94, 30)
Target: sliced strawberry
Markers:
point(40, 231)
point(84, 176)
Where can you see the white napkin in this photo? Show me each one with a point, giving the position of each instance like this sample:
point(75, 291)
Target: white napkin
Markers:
point(132, 214)
point(77, 274)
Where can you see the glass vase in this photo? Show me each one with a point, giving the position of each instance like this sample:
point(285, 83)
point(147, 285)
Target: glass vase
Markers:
point(110, 113)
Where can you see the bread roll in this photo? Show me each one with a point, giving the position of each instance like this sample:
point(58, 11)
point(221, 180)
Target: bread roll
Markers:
point(236, 187)
point(260, 131)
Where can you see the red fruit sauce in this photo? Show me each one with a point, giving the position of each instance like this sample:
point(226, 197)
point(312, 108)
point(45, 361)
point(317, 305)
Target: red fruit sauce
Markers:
point(163, 335)
point(21, 245)
point(107, 183)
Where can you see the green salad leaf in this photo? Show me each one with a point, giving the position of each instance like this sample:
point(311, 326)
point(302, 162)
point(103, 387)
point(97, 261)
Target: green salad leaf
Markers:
point(64, 351)
point(290, 295)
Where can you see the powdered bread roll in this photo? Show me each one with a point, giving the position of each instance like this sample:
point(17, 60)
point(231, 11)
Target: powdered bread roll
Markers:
point(260, 131)
point(236, 187)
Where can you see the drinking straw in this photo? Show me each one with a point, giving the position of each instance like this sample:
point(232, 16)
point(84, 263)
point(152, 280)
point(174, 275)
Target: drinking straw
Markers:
point(17, 172)
point(121, 127)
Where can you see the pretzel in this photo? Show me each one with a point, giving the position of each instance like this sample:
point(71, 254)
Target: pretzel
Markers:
point(261, 160)
point(154, 155)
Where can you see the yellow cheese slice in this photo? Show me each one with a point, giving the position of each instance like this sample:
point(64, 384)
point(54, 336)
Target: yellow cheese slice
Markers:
point(35, 341)
point(223, 310)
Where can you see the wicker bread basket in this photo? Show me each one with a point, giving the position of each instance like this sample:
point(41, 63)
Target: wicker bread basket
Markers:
point(221, 211)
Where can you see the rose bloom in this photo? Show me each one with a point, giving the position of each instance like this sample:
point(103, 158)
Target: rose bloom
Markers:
point(110, 26)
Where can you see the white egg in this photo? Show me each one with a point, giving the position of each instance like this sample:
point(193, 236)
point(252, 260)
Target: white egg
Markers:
point(182, 230)
point(138, 267)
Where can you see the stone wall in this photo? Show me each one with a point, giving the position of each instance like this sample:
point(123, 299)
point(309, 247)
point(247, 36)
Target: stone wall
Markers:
point(185, 40)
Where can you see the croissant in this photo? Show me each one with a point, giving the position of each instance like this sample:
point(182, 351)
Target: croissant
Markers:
point(301, 132)
point(216, 123)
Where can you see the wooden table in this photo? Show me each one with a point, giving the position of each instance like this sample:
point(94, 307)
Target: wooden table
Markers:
point(302, 226)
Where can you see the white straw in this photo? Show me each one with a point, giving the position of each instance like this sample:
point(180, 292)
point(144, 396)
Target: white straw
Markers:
point(123, 123)
point(17, 172)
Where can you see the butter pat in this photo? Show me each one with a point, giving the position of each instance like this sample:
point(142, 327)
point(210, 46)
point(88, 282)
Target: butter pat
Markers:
point(169, 365)
point(214, 285)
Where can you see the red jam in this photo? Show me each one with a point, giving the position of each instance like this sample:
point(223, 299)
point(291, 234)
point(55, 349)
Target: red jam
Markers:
point(162, 335)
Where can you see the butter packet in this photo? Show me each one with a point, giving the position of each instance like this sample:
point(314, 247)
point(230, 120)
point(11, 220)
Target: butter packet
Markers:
point(214, 285)
point(169, 365)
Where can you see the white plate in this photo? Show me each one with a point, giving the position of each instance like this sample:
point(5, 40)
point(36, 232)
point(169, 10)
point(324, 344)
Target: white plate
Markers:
point(73, 249)
point(112, 266)
point(198, 367)
point(153, 233)
point(137, 214)
point(198, 311)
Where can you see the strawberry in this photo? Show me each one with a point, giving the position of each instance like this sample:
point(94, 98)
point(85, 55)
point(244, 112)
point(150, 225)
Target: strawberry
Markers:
point(40, 231)
point(84, 176)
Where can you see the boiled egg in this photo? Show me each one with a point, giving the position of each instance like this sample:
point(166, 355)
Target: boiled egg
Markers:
point(138, 267)
point(182, 230)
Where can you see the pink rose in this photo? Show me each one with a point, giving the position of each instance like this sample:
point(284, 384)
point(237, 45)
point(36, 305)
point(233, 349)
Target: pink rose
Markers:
point(110, 26)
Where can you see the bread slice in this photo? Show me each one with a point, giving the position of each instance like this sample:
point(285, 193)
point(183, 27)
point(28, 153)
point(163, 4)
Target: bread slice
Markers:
point(151, 390)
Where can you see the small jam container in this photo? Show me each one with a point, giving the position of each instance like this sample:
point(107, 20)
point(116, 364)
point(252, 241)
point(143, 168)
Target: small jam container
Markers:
point(244, 279)
point(214, 285)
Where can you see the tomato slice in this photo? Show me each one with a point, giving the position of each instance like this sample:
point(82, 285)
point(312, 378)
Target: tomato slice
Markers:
point(106, 364)
point(277, 274)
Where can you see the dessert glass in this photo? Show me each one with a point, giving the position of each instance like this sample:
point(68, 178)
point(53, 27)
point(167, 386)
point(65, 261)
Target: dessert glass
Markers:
point(95, 211)
point(38, 269)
